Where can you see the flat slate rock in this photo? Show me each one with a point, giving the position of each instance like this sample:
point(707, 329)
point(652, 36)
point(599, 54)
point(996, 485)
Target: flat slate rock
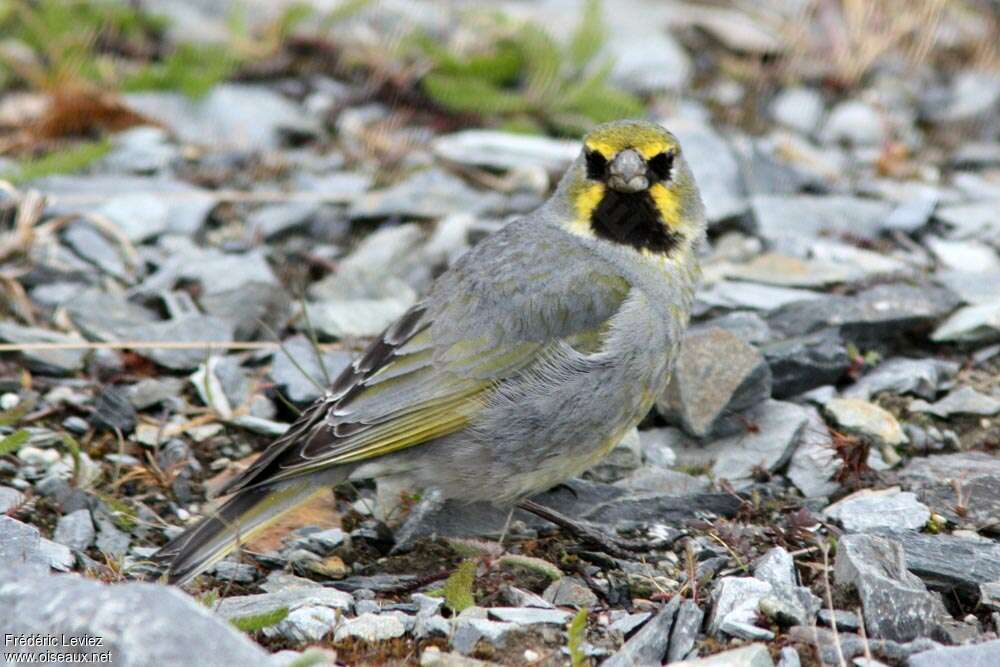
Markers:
point(868, 316)
point(605, 504)
point(717, 376)
point(977, 474)
point(947, 562)
point(986, 654)
point(896, 604)
point(138, 623)
point(777, 427)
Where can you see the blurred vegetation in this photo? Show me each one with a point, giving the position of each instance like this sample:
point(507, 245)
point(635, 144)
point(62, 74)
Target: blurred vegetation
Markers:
point(66, 160)
point(526, 79)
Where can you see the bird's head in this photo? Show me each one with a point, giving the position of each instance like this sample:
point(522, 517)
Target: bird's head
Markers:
point(631, 185)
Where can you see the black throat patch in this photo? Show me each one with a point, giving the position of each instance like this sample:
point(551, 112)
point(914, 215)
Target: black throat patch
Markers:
point(632, 219)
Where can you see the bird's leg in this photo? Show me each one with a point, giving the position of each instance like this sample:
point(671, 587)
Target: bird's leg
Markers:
point(584, 533)
point(506, 527)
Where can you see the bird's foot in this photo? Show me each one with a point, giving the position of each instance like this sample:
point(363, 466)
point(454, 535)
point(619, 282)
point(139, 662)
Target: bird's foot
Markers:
point(594, 537)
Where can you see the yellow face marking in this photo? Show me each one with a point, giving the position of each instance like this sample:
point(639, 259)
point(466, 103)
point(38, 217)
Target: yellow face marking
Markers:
point(586, 198)
point(649, 141)
point(667, 203)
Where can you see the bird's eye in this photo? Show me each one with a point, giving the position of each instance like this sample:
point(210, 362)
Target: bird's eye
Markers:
point(662, 164)
point(597, 164)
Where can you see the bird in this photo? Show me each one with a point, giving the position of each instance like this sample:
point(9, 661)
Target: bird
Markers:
point(527, 361)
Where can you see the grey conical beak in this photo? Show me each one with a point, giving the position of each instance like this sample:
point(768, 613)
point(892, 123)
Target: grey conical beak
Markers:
point(627, 172)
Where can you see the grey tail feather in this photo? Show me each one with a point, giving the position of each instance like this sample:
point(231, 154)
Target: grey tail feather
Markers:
point(248, 512)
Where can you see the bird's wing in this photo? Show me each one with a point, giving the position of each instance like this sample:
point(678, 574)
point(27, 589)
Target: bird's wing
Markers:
point(501, 306)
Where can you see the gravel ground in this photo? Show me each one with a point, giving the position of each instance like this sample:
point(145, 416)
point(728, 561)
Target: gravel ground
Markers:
point(819, 485)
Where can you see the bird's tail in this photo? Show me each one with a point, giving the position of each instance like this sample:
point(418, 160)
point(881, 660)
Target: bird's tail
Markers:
point(244, 515)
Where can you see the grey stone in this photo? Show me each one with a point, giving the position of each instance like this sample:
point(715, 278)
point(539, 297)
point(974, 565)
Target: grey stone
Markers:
point(948, 562)
point(748, 326)
point(506, 150)
point(191, 328)
point(798, 108)
point(431, 625)
point(150, 391)
point(736, 30)
point(717, 376)
point(845, 621)
point(989, 595)
point(768, 446)
point(371, 628)
point(735, 602)
point(783, 270)
point(959, 255)
point(658, 446)
point(94, 246)
point(323, 542)
point(783, 611)
point(974, 94)
point(971, 287)
point(649, 645)
point(780, 218)
point(360, 317)
point(871, 315)
point(59, 556)
point(139, 206)
point(570, 592)
point(976, 475)
point(75, 530)
point(977, 323)
point(519, 597)
point(59, 362)
point(831, 647)
point(815, 463)
point(867, 420)
point(985, 654)
point(141, 150)
point(896, 604)
point(276, 219)
point(867, 510)
point(715, 169)
point(20, 546)
point(238, 573)
point(921, 377)
point(648, 61)
point(789, 657)
point(665, 481)
point(605, 504)
point(300, 386)
point(963, 255)
point(801, 363)
point(625, 457)
point(624, 623)
point(138, 623)
point(530, 615)
point(427, 194)
point(685, 631)
point(754, 655)
point(241, 606)
point(961, 401)
point(854, 122)
point(213, 270)
point(113, 411)
point(100, 314)
point(233, 116)
point(972, 220)
point(10, 499)
point(735, 295)
point(776, 567)
point(914, 212)
point(110, 539)
point(468, 631)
